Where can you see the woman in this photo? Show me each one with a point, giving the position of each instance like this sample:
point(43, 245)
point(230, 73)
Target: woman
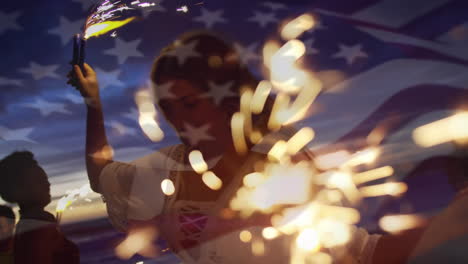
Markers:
point(37, 237)
point(198, 81)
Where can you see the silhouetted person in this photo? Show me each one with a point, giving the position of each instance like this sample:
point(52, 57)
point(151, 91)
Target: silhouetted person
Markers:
point(7, 227)
point(37, 237)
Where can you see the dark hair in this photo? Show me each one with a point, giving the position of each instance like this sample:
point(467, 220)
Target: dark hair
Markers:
point(11, 170)
point(218, 61)
point(7, 212)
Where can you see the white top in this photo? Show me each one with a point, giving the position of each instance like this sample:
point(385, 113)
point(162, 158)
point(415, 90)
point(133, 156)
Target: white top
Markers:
point(133, 192)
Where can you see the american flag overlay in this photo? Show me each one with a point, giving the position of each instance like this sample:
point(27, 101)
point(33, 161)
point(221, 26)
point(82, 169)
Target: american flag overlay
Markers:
point(395, 64)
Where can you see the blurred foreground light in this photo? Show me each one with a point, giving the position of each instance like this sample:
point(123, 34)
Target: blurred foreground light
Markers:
point(300, 140)
point(197, 162)
point(297, 26)
point(237, 131)
point(308, 240)
point(398, 223)
point(167, 187)
point(245, 236)
point(151, 128)
point(260, 96)
point(441, 131)
point(365, 156)
point(258, 247)
point(138, 241)
point(270, 233)
point(212, 181)
point(391, 188)
point(372, 175)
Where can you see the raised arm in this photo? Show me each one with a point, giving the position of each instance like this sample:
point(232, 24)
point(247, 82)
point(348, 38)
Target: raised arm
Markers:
point(98, 152)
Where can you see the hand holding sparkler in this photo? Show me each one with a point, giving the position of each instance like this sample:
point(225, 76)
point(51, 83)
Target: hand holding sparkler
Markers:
point(85, 81)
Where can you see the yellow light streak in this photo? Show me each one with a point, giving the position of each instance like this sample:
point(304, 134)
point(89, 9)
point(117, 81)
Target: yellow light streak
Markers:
point(260, 96)
point(372, 175)
point(445, 130)
point(366, 156)
point(278, 150)
point(297, 26)
point(212, 181)
point(197, 162)
point(254, 179)
point(398, 223)
point(391, 188)
point(245, 102)
point(237, 131)
point(308, 240)
point(104, 27)
point(300, 140)
point(332, 160)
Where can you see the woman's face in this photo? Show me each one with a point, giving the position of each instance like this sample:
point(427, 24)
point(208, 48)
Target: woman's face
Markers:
point(193, 113)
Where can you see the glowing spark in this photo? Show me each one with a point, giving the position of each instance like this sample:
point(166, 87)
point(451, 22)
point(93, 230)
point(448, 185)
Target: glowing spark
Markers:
point(104, 27)
point(183, 9)
point(270, 233)
point(300, 140)
point(297, 26)
point(146, 4)
point(212, 181)
point(253, 179)
point(281, 104)
point(63, 203)
point(245, 101)
point(270, 49)
point(303, 101)
point(167, 187)
point(114, 34)
point(277, 151)
point(445, 130)
point(237, 131)
point(245, 236)
point(255, 136)
point(260, 96)
point(139, 241)
point(308, 240)
point(372, 175)
point(333, 232)
point(147, 117)
point(258, 247)
point(366, 156)
point(332, 160)
point(197, 162)
point(398, 223)
point(391, 188)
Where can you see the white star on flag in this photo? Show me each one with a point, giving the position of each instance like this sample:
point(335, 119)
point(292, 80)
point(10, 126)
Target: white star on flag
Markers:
point(6, 81)
point(20, 134)
point(86, 4)
point(132, 114)
point(8, 21)
point(74, 98)
point(263, 19)
point(122, 129)
point(274, 6)
point(163, 91)
point(123, 50)
point(41, 71)
point(67, 29)
point(310, 50)
point(247, 53)
point(350, 53)
point(46, 108)
point(108, 78)
point(209, 18)
point(196, 134)
point(219, 91)
point(184, 52)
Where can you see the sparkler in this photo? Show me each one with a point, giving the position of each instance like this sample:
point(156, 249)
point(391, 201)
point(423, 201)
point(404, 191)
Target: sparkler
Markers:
point(69, 198)
point(304, 202)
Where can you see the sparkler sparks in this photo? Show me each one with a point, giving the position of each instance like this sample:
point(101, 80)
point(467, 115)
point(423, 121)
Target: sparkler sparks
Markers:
point(448, 129)
point(304, 202)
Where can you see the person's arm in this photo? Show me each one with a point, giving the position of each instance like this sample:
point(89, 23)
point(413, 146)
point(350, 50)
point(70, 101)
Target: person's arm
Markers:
point(98, 152)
